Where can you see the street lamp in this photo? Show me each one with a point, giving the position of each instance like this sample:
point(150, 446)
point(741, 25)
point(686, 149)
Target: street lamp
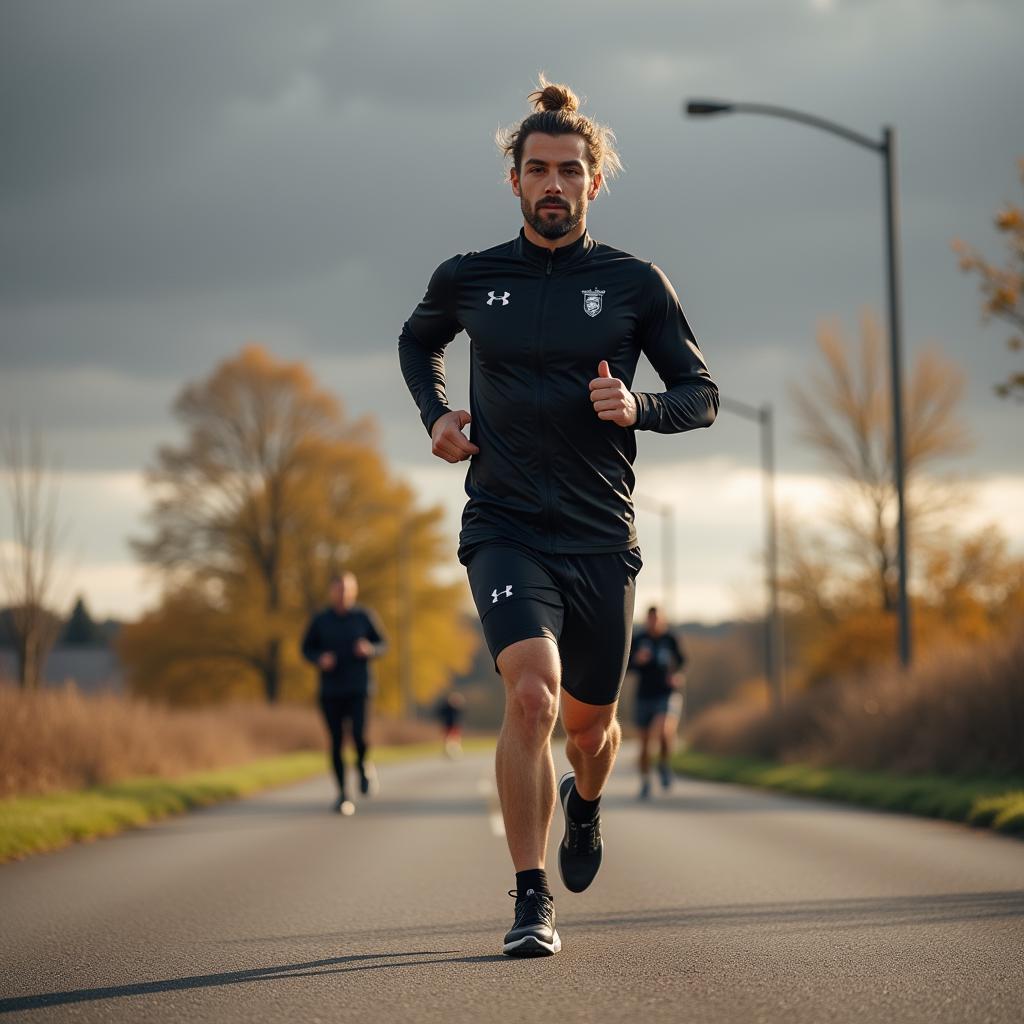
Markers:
point(887, 149)
point(668, 549)
point(773, 658)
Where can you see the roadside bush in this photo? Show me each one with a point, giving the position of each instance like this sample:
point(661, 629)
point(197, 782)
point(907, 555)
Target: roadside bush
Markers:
point(61, 739)
point(959, 712)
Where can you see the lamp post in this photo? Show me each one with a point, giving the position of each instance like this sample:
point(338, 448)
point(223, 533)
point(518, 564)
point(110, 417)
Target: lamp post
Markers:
point(886, 148)
point(668, 550)
point(773, 637)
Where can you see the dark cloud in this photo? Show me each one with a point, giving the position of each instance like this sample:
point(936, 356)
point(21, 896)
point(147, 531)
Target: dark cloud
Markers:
point(180, 178)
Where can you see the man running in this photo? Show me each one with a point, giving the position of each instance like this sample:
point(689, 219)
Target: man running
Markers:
point(658, 659)
point(556, 322)
point(341, 640)
point(449, 709)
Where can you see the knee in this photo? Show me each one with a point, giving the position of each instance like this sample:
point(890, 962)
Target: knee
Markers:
point(591, 739)
point(532, 700)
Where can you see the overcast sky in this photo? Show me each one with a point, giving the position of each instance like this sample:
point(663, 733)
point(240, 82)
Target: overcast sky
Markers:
point(182, 177)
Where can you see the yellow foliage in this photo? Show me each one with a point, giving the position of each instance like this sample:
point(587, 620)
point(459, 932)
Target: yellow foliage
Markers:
point(272, 494)
point(1001, 287)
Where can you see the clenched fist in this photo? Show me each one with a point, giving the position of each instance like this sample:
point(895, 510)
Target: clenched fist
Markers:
point(447, 439)
point(611, 399)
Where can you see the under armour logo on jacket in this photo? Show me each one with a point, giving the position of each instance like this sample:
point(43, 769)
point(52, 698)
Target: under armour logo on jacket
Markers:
point(503, 298)
point(495, 594)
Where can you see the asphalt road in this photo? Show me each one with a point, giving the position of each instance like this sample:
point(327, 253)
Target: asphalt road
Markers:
point(714, 904)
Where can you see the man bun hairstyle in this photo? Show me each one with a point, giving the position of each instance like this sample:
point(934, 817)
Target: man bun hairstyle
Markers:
point(553, 96)
point(556, 112)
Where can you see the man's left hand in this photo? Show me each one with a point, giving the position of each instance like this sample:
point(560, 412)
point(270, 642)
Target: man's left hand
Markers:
point(363, 648)
point(611, 399)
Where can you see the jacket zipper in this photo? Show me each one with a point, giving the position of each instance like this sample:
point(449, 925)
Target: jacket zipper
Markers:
point(545, 468)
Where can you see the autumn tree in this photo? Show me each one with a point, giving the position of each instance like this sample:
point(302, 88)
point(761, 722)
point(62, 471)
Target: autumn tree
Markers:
point(28, 566)
point(1002, 288)
point(839, 577)
point(273, 492)
point(845, 416)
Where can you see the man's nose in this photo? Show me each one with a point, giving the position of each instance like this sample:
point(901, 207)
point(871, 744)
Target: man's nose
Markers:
point(553, 186)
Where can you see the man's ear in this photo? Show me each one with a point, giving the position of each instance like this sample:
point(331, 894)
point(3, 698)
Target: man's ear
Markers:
point(513, 177)
point(595, 186)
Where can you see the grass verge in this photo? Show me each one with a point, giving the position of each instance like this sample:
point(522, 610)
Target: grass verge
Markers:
point(35, 824)
point(991, 803)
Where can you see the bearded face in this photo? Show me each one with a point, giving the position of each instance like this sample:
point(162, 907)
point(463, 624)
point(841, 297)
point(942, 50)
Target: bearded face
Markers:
point(555, 184)
point(553, 217)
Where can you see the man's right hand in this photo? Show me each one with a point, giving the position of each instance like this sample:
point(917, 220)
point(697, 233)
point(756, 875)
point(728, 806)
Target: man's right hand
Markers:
point(447, 440)
point(327, 661)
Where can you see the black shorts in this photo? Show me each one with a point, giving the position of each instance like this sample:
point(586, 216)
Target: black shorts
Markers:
point(584, 603)
point(649, 708)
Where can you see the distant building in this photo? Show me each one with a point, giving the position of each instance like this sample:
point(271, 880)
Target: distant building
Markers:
point(92, 669)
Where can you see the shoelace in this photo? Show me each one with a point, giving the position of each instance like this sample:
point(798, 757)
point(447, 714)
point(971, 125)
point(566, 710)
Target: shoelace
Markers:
point(584, 837)
point(529, 903)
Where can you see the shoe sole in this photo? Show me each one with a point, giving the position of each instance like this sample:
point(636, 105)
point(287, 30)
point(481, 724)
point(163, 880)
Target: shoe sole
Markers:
point(563, 799)
point(530, 945)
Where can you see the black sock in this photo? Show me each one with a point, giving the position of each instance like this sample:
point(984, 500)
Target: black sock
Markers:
point(534, 879)
point(580, 809)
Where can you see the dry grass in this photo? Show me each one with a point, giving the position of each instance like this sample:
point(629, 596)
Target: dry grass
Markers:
point(958, 713)
point(60, 739)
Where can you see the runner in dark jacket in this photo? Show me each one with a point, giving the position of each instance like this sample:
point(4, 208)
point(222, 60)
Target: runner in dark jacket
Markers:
point(556, 323)
point(341, 640)
point(658, 659)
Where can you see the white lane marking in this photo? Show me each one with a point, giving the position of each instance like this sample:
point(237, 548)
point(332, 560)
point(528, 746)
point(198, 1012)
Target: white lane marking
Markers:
point(485, 787)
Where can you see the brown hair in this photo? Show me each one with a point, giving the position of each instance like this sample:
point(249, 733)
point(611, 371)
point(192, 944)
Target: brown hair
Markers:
point(556, 112)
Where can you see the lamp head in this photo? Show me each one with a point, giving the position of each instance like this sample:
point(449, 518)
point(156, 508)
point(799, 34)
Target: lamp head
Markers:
point(706, 108)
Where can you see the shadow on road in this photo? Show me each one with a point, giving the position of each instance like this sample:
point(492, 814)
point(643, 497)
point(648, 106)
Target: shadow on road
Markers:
point(828, 915)
point(809, 915)
point(308, 969)
point(821, 915)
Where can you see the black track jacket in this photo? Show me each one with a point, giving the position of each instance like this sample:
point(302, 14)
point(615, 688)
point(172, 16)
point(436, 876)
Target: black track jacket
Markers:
point(550, 475)
point(337, 632)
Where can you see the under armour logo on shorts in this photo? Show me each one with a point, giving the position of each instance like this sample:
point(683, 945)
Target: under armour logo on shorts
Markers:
point(495, 594)
point(503, 298)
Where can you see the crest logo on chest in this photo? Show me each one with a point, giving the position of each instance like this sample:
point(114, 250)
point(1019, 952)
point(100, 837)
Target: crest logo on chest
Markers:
point(593, 301)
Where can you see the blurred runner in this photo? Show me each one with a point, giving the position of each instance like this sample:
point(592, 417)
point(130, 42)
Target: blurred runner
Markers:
point(557, 322)
point(449, 710)
point(658, 660)
point(341, 641)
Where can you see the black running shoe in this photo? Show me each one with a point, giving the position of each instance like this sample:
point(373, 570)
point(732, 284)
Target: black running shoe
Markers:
point(581, 849)
point(533, 931)
point(368, 784)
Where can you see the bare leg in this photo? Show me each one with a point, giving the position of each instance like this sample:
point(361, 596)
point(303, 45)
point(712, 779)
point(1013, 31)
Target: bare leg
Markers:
point(593, 741)
point(523, 767)
point(645, 751)
point(669, 727)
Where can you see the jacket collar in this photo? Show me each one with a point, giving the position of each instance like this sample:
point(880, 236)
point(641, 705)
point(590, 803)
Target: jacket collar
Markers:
point(560, 257)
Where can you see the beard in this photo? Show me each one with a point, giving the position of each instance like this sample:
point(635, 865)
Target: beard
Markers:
point(553, 228)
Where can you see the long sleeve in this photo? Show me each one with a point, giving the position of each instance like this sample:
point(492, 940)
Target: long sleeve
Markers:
point(680, 653)
point(691, 396)
point(375, 635)
point(421, 346)
point(311, 643)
